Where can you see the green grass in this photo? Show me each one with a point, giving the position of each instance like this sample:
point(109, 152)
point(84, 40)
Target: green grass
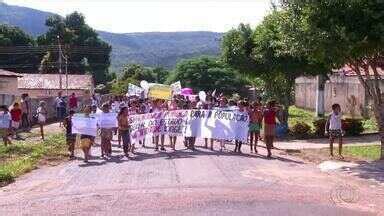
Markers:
point(23, 156)
point(370, 125)
point(363, 152)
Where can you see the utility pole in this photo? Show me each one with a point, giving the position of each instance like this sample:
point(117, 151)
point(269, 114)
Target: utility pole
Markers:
point(60, 61)
point(66, 76)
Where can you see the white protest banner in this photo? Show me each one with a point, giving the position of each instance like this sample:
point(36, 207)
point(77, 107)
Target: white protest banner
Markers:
point(84, 125)
point(134, 90)
point(176, 88)
point(217, 124)
point(4, 120)
point(107, 120)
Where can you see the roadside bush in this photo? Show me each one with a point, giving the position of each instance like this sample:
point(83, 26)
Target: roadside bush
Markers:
point(301, 130)
point(352, 127)
point(319, 125)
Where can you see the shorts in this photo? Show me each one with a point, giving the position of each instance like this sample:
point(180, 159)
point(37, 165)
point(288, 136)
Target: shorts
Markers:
point(15, 124)
point(269, 130)
point(254, 127)
point(70, 138)
point(335, 133)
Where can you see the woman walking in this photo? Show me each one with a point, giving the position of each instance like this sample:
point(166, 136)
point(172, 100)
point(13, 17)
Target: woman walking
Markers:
point(122, 119)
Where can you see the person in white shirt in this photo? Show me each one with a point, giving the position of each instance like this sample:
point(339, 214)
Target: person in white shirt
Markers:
point(5, 124)
point(333, 128)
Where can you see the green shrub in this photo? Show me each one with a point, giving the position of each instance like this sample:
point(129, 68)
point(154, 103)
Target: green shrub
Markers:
point(352, 127)
point(301, 130)
point(319, 125)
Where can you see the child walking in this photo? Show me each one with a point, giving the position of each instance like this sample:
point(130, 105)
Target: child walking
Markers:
point(256, 118)
point(334, 129)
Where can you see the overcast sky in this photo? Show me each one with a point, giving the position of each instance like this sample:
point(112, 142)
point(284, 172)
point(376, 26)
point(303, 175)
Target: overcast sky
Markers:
point(157, 15)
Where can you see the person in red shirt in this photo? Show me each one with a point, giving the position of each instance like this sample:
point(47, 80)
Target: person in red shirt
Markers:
point(72, 102)
point(270, 125)
point(16, 113)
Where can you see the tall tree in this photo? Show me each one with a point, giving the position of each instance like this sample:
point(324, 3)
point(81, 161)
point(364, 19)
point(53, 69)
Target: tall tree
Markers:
point(15, 46)
point(208, 74)
point(79, 43)
point(339, 33)
point(265, 53)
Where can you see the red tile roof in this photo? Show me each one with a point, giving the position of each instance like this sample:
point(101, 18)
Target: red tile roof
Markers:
point(9, 73)
point(349, 72)
point(52, 81)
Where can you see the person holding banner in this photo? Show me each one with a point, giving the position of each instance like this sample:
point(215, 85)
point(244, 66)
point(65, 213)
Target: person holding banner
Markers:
point(70, 138)
point(172, 139)
point(122, 119)
point(106, 133)
point(5, 124)
point(86, 141)
point(158, 108)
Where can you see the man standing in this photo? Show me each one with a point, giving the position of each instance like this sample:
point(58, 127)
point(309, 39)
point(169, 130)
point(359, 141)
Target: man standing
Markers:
point(60, 107)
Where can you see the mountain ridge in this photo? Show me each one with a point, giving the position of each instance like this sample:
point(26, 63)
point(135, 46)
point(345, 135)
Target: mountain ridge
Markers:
point(156, 49)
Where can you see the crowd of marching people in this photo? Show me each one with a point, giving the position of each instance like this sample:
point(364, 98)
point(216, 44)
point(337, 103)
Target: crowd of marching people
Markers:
point(262, 118)
point(259, 116)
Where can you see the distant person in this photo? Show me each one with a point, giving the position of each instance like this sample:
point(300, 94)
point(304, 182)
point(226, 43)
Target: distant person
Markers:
point(255, 123)
point(16, 114)
point(269, 125)
point(122, 119)
point(60, 107)
point(73, 102)
point(25, 106)
point(5, 128)
point(42, 117)
point(241, 110)
point(70, 138)
point(106, 135)
point(333, 128)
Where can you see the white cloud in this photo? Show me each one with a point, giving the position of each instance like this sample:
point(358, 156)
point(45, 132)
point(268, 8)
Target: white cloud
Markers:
point(150, 15)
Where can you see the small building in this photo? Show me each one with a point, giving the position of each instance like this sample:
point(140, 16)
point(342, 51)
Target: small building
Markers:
point(343, 88)
point(48, 85)
point(8, 82)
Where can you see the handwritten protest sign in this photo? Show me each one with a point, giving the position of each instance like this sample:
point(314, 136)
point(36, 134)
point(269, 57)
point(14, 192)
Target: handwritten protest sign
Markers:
point(134, 90)
point(176, 88)
point(4, 120)
point(160, 91)
point(84, 125)
point(107, 120)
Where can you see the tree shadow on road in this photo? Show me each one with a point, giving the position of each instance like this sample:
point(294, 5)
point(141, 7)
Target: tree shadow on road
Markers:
point(368, 170)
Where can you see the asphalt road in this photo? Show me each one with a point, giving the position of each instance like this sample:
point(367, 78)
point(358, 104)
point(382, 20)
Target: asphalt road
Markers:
point(186, 182)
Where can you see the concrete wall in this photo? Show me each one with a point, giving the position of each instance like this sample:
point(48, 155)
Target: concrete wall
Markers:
point(8, 85)
point(336, 90)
